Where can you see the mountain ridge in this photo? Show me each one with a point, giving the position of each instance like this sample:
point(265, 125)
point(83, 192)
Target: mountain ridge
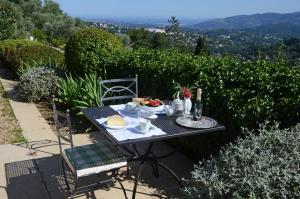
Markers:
point(249, 21)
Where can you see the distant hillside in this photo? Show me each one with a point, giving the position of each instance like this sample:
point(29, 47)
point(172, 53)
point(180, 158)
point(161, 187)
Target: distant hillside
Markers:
point(249, 21)
point(282, 29)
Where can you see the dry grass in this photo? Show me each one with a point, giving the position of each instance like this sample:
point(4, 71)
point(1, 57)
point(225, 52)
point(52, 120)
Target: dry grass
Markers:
point(10, 131)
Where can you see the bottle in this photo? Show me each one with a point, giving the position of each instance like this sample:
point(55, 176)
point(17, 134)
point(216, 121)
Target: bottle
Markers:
point(198, 106)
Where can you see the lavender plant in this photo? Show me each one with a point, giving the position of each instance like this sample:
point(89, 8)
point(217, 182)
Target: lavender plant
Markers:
point(259, 166)
point(38, 83)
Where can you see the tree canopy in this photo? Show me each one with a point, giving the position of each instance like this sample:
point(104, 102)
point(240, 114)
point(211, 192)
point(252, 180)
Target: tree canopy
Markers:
point(45, 21)
point(8, 19)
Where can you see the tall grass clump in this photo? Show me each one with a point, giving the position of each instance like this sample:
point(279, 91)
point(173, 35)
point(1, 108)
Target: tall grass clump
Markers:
point(77, 93)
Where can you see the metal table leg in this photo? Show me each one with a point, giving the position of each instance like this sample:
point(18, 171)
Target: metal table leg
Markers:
point(149, 156)
point(137, 179)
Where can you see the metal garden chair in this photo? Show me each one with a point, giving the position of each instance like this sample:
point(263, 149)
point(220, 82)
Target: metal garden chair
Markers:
point(86, 161)
point(118, 89)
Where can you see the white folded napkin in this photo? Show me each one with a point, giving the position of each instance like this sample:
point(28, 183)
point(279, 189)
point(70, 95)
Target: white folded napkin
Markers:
point(130, 131)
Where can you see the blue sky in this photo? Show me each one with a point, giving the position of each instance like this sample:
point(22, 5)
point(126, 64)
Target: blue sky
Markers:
point(188, 9)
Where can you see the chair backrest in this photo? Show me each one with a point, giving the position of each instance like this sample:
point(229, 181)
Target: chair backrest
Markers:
point(63, 128)
point(118, 89)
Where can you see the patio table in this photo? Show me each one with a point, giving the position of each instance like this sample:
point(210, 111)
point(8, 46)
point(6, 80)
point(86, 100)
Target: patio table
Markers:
point(165, 123)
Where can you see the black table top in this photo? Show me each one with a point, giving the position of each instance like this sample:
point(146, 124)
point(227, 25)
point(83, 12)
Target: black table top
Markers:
point(165, 123)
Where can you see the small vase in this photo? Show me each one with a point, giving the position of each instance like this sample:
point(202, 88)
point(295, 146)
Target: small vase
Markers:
point(187, 106)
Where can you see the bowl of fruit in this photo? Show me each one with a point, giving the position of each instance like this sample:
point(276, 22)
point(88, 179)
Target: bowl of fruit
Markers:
point(154, 105)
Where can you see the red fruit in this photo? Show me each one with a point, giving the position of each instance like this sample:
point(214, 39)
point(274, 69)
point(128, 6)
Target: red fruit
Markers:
point(154, 103)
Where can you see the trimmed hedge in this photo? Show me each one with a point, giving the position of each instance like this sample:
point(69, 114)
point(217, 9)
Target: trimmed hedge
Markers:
point(237, 93)
point(90, 50)
point(16, 53)
point(259, 166)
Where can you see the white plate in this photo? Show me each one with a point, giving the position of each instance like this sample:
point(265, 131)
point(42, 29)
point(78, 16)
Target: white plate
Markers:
point(114, 127)
point(137, 128)
point(158, 109)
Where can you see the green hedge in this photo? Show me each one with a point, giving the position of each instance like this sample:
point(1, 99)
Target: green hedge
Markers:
point(90, 50)
point(247, 92)
point(16, 53)
point(259, 166)
point(236, 93)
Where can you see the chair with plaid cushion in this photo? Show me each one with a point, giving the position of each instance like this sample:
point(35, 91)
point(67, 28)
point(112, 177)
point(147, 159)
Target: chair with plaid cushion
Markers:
point(100, 162)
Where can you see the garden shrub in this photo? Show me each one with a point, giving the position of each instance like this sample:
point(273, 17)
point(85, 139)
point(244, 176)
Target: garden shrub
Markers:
point(16, 53)
point(38, 84)
point(258, 166)
point(77, 93)
point(38, 53)
point(8, 49)
point(91, 50)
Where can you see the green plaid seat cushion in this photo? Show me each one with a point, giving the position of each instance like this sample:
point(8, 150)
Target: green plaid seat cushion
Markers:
point(94, 158)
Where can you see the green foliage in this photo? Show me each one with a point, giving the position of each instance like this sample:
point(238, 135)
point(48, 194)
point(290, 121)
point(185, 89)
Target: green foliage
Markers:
point(237, 93)
point(159, 40)
point(91, 50)
point(174, 33)
point(51, 7)
point(36, 64)
point(259, 166)
point(8, 49)
point(200, 47)
point(125, 40)
point(18, 53)
point(8, 19)
point(39, 35)
point(173, 27)
point(38, 84)
point(38, 53)
point(140, 38)
point(79, 92)
point(46, 21)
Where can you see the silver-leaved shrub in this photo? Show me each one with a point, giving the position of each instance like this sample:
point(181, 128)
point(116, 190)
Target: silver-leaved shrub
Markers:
point(266, 166)
point(38, 83)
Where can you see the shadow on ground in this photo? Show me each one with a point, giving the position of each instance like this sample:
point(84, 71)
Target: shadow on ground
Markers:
point(42, 177)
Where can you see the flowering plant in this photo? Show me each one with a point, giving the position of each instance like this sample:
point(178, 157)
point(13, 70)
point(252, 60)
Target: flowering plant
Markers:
point(186, 92)
point(182, 91)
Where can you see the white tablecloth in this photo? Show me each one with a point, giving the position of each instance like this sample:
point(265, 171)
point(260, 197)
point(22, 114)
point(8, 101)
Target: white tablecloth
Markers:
point(132, 121)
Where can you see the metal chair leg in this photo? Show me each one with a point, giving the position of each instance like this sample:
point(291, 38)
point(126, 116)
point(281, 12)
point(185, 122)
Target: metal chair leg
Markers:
point(121, 184)
point(65, 175)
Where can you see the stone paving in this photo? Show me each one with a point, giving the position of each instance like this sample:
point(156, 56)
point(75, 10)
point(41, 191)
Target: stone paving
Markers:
point(33, 170)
